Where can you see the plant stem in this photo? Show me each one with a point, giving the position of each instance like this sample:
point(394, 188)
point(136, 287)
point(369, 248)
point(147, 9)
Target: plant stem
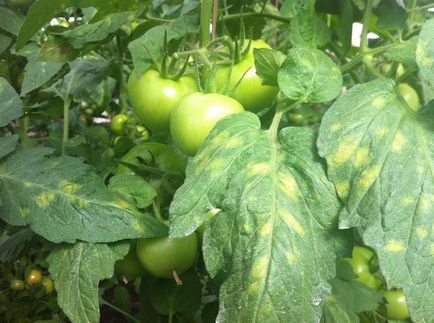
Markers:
point(365, 30)
point(122, 86)
point(66, 105)
point(156, 19)
point(274, 127)
point(24, 131)
point(258, 15)
point(127, 315)
point(215, 9)
point(427, 6)
point(205, 21)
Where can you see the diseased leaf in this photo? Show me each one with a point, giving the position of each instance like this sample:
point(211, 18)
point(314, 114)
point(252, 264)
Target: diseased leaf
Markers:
point(292, 8)
point(334, 312)
point(63, 200)
point(11, 106)
point(85, 74)
point(150, 45)
point(308, 30)
point(267, 64)
point(98, 31)
point(56, 49)
point(275, 239)
point(380, 158)
point(134, 188)
point(405, 53)
point(425, 56)
point(12, 245)
point(76, 271)
point(5, 41)
point(8, 144)
point(309, 75)
point(41, 12)
point(37, 73)
point(344, 29)
point(10, 21)
point(390, 15)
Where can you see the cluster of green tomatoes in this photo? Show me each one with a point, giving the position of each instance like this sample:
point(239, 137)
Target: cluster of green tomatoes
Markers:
point(33, 278)
point(365, 265)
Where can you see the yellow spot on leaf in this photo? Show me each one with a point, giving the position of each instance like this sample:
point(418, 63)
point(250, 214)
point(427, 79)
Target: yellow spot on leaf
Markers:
point(69, 187)
point(83, 203)
point(361, 157)
point(259, 169)
point(378, 102)
point(28, 184)
point(344, 153)
point(421, 233)
point(292, 257)
point(426, 203)
point(44, 199)
point(266, 229)
point(137, 227)
point(25, 211)
point(288, 185)
point(406, 201)
point(235, 143)
point(335, 127)
point(342, 188)
point(248, 228)
point(394, 246)
point(398, 142)
point(292, 222)
point(368, 177)
point(260, 267)
point(122, 204)
point(253, 288)
point(381, 132)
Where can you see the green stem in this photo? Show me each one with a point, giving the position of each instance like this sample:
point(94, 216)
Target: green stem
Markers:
point(365, 30)
point(205, 21)
point(427, 6)
point(258, 15)
point(66, 105)
point(24, 131)
point(127, 315)
point(358, 60)
point(170, 317)
point(122, 87)
point(274, 127)
point(156, 19)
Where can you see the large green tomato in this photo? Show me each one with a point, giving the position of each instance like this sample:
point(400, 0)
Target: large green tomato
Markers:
point(130, 265)
point(195, 116)
point(162, 156)
point(250, 92)
point(409, 95)
point(153, 97)
point(396, 305)
point(161, 256)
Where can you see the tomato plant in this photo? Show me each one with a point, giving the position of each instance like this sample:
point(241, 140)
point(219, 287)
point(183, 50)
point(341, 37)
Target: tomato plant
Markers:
point(194, 117)
point(162, 256)
point(154, 97)
point(216, 160)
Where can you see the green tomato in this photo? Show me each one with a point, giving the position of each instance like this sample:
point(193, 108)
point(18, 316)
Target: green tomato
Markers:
point(17, 284)
point(396, 305)
point(363, 253)
point(130, 265)
point(48, 285)
point(154, 97)
point(361, 269)
point(163, 157)
point(161, 256)
point(195, 116)
point(409, 95)
point(249, 90)
point(34, 277)
point(118, 123)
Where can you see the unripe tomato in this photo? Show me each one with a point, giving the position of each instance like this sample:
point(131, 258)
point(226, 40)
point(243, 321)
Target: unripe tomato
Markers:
point(161, 256)
point(409, 95)
point(195, 116)
point(48, 285)
point(250, 92)
point(34, 277)
point(17, 284)
point(118, 123)
point(130, 265)
point(154, 97)
point(396, 305)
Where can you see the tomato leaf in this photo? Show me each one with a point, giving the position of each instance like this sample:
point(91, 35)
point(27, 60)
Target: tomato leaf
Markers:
point(309, 75)
point(405, 53)
point(56, 49)
point(425, 56)
point(276, 237)
point(335, 312)
point(63, 200)
point(135, 188)
point(76, 271)
point(380, 156)
point(292, 8)
point(267, 64)
point(8, 144)
point(11, 21)
point(170, 298)
point(11, 106)
point(309, 30)
point(12, 244)
point(5, 41)
point(390, 15)
point(37, 73)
